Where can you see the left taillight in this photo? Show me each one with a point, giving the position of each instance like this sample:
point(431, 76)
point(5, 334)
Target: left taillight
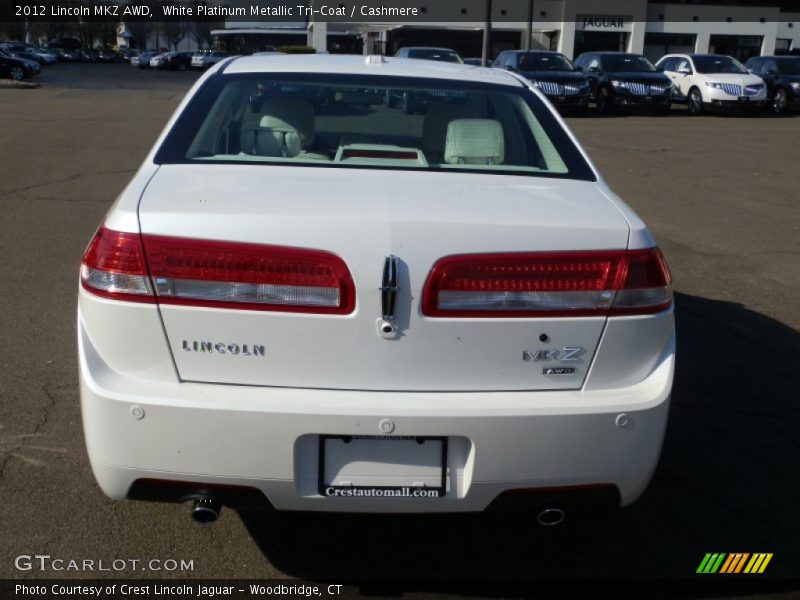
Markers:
point(216, 274)
point(114, 266)
point(248, 276)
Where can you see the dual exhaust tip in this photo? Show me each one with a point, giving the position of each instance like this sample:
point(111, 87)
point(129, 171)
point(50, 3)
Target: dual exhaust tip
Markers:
point(550, 517)
point(205, 511)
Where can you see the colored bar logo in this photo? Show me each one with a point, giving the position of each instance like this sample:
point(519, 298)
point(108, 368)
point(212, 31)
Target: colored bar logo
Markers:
point(736, 562)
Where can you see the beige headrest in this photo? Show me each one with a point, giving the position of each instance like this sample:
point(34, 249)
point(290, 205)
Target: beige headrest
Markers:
point(437, 118)
point(474, 142)
point(289, 116)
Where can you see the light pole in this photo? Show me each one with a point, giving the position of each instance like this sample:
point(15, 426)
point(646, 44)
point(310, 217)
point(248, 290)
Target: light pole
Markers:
point(487, 33)
point(526, 45)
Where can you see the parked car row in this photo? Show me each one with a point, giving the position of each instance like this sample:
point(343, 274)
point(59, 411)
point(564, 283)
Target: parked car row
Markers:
point(20, 61)
point(613, 81)
point(178, 61)
point(704, 82)
point(616, 81)
point(50, 55)
point(17, 68)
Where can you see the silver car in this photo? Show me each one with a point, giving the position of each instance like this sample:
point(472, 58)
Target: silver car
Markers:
point(204, 59)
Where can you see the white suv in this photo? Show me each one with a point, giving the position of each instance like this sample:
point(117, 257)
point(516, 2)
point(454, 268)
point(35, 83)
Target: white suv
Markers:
point(375, 312)
point(713, 81)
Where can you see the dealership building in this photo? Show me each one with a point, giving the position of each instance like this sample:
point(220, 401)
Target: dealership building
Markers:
point(740, 28)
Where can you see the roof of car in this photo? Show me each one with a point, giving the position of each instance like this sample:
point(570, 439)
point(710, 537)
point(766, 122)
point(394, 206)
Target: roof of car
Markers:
point(426, 48)
point(712, 55)
point(692, 55)
point(613, 53)
point(360, 65)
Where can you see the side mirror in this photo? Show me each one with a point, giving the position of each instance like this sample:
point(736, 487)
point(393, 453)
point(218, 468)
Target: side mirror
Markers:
point(579, 69)
point(659, 69)
point(594, 70)
point(510, 67)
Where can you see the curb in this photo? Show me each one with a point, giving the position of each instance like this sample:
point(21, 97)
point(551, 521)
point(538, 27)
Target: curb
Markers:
point(19, 85)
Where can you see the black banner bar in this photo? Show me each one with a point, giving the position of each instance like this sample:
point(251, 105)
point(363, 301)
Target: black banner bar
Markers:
point(230, 589)
point(380, 11)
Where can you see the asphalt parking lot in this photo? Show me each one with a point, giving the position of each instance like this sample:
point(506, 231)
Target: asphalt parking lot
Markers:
point(719, 193)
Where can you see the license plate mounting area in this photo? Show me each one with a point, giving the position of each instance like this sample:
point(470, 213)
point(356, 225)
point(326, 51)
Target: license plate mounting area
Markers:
point(382, 466)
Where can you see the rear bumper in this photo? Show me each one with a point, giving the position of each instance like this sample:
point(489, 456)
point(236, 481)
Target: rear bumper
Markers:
point(266, 439)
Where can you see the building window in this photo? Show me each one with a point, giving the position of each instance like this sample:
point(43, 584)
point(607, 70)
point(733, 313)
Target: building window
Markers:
point(657, 45)
point(600, 41)
point(783, 46)
point(741, 47)
point(552, 39)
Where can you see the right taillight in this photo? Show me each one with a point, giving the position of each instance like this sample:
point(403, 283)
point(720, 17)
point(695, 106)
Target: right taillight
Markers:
point(211, 273)
point(647, 285)
point(548, 284)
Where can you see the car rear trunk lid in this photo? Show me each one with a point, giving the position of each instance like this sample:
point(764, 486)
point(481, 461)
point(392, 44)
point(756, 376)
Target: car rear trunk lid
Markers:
point(364, 216)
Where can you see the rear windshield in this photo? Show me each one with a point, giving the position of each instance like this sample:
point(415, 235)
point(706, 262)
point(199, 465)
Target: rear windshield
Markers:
point(618, 63)
point(372, 122)
point(718, 64)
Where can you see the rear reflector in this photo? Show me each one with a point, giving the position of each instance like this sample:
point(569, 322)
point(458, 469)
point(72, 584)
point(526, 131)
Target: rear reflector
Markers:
point(221, 274)
point(545, 284)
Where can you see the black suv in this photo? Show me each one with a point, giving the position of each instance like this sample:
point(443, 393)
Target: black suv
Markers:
point(551, 72)
point(622, 80)
point(782, 76)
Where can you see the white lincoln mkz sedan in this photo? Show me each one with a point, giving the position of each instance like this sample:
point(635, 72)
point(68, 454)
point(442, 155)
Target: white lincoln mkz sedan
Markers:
point(307, 300)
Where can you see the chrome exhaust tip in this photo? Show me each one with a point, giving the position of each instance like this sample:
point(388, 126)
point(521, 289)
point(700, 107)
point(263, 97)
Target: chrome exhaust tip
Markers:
point(205, 511)
point(550, 517)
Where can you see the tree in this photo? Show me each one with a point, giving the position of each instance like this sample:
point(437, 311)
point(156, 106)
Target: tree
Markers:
point(174, 31)
point(140, 30)
point(200, 28)
point(200, 32)
point(55, 31)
